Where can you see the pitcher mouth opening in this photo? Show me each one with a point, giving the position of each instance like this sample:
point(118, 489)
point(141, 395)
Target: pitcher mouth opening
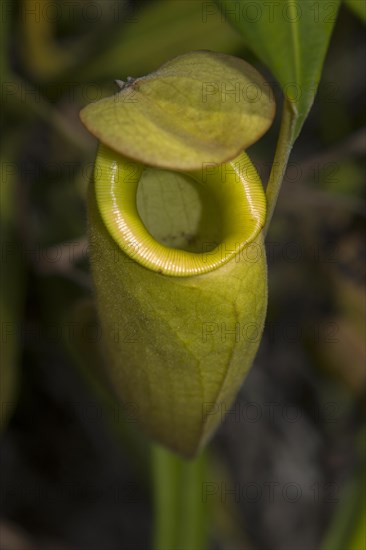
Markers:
point(179, 223)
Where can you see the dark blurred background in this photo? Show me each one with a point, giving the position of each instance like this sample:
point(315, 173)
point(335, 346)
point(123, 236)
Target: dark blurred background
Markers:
point(286, 467)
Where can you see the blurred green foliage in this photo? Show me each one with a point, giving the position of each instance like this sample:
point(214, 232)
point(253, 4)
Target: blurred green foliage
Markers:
point(52, 64)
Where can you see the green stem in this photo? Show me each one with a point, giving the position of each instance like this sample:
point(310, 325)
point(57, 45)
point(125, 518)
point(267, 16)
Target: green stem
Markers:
point(347, 528)
point(283, 150)
point(181, 514)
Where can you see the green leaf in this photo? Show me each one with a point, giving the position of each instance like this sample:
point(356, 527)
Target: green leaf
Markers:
point(291, 37)
point(198, 108)
point(347, 528)
point(358, 7)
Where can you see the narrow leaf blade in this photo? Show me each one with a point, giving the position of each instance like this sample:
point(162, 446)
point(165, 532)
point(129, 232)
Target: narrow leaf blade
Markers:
point(291, 38)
